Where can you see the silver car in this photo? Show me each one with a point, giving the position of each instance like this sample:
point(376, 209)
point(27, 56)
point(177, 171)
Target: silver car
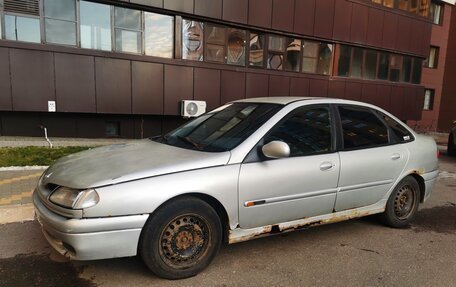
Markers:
point(248, 169)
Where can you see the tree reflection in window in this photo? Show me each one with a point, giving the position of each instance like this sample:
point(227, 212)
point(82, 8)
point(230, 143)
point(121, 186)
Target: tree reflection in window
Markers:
point(256, 50)
point(293, 55)
point(192, 40)
point(236, 47)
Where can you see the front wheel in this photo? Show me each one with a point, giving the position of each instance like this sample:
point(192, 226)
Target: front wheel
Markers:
point(402, 204)
point(181, 238)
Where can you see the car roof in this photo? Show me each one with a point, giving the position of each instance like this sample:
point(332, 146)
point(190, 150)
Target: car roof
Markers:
point(276, 100)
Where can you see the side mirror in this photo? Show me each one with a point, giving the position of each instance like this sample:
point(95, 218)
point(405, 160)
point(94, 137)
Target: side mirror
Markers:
point(276, 149)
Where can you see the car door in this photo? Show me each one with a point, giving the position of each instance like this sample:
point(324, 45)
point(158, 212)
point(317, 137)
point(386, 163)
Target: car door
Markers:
point(370, 162)
point(301, 185)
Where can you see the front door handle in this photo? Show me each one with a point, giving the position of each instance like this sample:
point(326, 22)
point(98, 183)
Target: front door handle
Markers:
point(395, 156)
point(326, 166)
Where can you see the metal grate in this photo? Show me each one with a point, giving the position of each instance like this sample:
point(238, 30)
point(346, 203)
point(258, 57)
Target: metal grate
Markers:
point(29, 7)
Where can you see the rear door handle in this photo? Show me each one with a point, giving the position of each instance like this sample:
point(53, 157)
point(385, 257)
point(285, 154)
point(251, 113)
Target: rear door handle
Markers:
point(326, 166)
point(395, 156)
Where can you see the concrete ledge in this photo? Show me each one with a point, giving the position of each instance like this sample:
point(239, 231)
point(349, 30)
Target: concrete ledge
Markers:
point(17, 213)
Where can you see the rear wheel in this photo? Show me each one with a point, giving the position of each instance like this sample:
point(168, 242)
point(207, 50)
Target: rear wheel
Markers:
point(402, 204)
point(181, 238)
point(451, 148)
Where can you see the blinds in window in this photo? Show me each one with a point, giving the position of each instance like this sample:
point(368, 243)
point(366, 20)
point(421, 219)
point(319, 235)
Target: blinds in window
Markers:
point(28, 7)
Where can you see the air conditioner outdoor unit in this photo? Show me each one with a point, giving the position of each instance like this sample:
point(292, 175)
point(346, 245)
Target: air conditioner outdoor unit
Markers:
point(192, 108)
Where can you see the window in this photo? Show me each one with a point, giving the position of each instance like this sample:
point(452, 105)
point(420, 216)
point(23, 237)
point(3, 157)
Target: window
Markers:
point(403, 4)
point(215, 37)
point(406, 69)
point(256, 51)
point(435, 12)
point(60, 21)
point(225, 45)
point(383, 64)
point(428, 100)
point(395, 68)
point(192, 40)
point(370, 64)
point(306, 130)
point(416, 71)
point(343, 68)
point(22, 28)
point(276, 51)
point(398, 132)
point(424, 8)
point(317, 57)
point(223, 129)
point(293, 55)
point(159, 35)
point(112, 129)
point(361, 128)
point(21, 20)
point(357, 63)
point(128, 31)
point(95, 26)
point(236, 47)
point(432, 60)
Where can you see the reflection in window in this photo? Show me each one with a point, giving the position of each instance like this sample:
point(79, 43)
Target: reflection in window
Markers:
point(435, 12)
point(324, 58)
point(424, 8)
point(95, 26)
point(416, 72)
point(343, 69)
point(192, 40)
point(293, 55)
point(370, 64)
point(306, 130)
point(383, 66)
point(310, 57)
point(60, 21)
point(406, 69)
point(24, 29)
point(361, 128)
point(398, 131)
point(128, 32)
point(256, 50)
point(236, 47)
point(159, 35)
point(431, 61)
point(428, 100)
point(276, 50)
point(395, 67)
point(403, 4)
point(413, 6)
point(215, 37)
point(357, 63)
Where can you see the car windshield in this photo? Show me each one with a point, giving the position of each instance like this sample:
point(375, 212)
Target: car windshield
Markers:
point(222, 129)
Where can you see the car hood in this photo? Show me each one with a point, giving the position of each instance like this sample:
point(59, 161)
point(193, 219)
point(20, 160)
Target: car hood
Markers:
point(124, 162)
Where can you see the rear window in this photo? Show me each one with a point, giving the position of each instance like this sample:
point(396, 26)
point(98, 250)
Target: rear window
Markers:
point(399, 132)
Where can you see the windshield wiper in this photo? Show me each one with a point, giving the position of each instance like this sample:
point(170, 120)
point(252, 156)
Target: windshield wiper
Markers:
point(190, 141)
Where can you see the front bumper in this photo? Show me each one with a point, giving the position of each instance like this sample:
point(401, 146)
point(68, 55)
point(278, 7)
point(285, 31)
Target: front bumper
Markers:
point(429, 181)
point(90, 238)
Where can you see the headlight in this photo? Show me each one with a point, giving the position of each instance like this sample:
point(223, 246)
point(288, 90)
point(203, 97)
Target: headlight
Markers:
point(74, 198)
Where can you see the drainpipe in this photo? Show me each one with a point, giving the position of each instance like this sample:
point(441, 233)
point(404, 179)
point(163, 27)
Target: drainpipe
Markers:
point(46, 135)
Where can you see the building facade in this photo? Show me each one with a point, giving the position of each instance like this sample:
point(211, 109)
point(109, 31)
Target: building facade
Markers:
point(97, 68)
point(439, 72)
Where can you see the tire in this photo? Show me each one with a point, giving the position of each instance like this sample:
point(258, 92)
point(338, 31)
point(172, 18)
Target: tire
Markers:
point(181, 238)
point(451, 148)
point(402, 204)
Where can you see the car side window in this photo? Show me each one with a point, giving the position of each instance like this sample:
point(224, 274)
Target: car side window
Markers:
point(307, 130)
point(362, 128)
point(399, 132)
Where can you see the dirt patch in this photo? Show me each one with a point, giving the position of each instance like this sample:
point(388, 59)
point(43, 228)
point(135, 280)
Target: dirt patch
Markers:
point(39, 270)
point(440, 219)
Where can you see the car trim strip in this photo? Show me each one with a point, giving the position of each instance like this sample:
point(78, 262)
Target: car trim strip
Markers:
point(290, 197)
point(365, 185)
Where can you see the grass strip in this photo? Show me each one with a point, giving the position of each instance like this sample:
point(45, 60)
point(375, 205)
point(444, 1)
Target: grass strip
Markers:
point(22, 156)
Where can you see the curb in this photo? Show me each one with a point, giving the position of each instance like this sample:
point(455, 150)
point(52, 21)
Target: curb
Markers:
point(23, 168)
